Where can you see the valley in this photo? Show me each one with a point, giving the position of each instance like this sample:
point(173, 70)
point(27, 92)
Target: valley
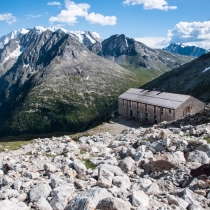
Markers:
point(50, 81)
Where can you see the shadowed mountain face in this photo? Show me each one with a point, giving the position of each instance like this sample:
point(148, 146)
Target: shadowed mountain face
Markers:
point(191, 78)
point(185, 50)
point(51, 82)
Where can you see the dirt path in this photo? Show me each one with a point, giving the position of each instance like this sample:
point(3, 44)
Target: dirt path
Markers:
point(115, 126)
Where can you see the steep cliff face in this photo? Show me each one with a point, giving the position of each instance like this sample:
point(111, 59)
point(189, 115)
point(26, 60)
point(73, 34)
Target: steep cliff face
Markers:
point(54, 83)
point(185, 50)
point(191, 78)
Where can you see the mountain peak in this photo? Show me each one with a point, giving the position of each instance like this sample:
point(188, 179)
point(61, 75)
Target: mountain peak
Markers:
point(181, 49)
point(85, 37)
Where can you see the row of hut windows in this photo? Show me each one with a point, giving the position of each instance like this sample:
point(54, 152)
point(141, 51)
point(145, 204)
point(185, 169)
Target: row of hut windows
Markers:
point(162, 110)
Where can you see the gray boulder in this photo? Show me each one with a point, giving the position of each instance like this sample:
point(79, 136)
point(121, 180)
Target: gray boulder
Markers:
point(42, 190)
point(49, 168)
point(198, 156)
point(127, 164)
point(8, 205)
point(56, 181)
point(68, 187)
point(139, 198)
point(158, 147)
point(142, 184)
point(111, 168)
point(60, 201)
point(79, 166)
point(176, 157)
point(204, 148)
point(42, 204)
point(89, 199)
point(121, 181)
point(105, 178)
point(113, 204)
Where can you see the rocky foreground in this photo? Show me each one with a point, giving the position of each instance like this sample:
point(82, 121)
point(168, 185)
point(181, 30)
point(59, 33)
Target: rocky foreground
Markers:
point(141, 169)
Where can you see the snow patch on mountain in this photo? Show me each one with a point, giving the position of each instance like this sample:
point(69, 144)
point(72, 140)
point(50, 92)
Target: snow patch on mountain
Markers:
point(84, 37)
point(206, 69)
point(13, 55)
point(13, 35)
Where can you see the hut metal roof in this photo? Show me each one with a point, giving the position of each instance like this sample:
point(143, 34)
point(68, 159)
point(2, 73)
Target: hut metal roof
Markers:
point(156, 98)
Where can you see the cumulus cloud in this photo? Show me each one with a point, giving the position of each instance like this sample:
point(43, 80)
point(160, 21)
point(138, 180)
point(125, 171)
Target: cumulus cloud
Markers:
point(151, 4)
point(190, 32)
point(187, 33)
point(54, 3)
point(8, 17)
point(94, 18)
point(73, 11)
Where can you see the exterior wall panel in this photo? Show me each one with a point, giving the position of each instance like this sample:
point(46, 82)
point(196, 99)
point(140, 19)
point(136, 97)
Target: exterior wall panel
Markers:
point(161, 114)
point(197, 106)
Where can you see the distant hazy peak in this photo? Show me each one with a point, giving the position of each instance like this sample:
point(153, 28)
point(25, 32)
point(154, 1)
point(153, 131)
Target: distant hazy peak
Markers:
point(185, 50)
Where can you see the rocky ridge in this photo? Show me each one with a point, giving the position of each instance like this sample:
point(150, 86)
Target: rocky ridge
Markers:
point(193, 79)
point(85, 37)
point(53, 83)
point(136, 55)
point(185, 50)
point(140, 169)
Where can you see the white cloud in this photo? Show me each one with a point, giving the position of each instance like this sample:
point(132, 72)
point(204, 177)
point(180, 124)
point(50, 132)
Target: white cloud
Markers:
point(73, 11)
point(33, 16)
point(8, 17)
point(100, 19)
point(190, 32)
point(154, 42)
point(54, 3)
point(187, 33)
point(151, 4)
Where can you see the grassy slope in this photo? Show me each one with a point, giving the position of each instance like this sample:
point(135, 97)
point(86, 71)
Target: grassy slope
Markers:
point(73, 112)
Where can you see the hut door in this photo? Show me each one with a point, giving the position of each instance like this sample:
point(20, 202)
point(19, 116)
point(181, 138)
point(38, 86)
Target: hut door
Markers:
point(155, 119)
point(187, 110)
point(131, 113)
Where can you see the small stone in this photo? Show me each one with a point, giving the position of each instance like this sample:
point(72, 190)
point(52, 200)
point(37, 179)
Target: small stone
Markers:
point(112, 203)
point(166, 142)
point(104, 178)
point(200, 192)
point(139, 197)
point(198, 156)
point(127, 164)
point(79, 166)
point(153, 189)
point(203, 183)
point(172, 200)
point(42, 190)
point(60, 201)
point(22, 197)
point(42, 204)
point(176, 157)
point(121, 181)
point(49, 168)
point(1, 173)
point(172, 149)
point(17, 185)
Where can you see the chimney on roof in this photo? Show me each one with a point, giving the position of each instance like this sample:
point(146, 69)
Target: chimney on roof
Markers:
point(162, 90)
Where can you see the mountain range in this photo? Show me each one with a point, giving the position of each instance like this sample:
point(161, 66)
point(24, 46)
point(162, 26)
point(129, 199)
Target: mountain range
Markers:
point(53, 80)
point(185, 50)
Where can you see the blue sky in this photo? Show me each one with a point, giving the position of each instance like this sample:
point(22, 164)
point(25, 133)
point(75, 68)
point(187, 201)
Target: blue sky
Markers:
point(154, 22)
